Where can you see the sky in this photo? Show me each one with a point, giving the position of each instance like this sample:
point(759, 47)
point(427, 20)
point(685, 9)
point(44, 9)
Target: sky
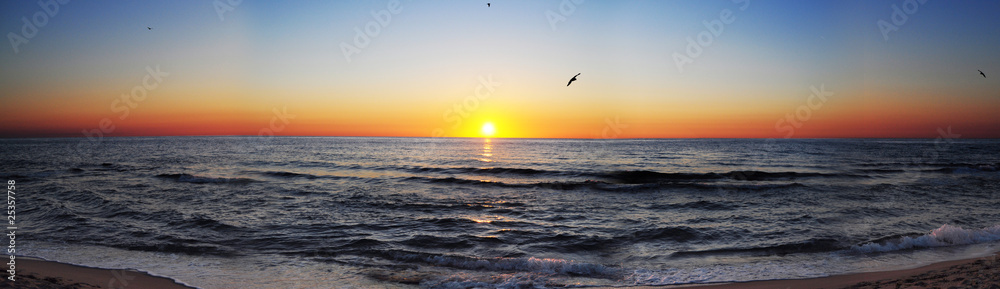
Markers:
point(648, 69)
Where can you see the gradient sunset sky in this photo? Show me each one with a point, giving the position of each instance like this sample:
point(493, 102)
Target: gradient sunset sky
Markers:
point(279, 67)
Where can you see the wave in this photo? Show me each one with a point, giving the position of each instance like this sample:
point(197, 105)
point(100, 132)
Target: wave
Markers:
point(726, 273)
point(520, 264)
point(933, 166)
point(568, 180)
point(962, 170)
point(605, 185)
point(199, 222)
point(652, 177)
point(188, 178)
point(700, 205)
point(569, 185)
point(429, 241)
point(625, 176)
point(883, 171)
point(656, 177)
point(30, 176)
point(809, 246)
point(294, 175)
point(677, 234)
point(522, 234)
point(491, 171)
point(645, 176)
point(502, 272)
point(179, 245)
point(288, 174)
point(946, 235)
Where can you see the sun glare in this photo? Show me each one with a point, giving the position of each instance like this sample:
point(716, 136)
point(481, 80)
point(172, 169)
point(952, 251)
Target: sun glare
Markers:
point(488, 129)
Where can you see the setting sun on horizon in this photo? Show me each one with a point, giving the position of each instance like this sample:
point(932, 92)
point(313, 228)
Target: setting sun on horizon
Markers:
point(664, 69)
point(488, 130)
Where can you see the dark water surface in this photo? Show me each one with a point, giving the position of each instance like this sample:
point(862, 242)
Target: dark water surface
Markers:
point(238, 212)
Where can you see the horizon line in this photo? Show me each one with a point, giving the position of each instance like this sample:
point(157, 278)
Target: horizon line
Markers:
point(461, 137)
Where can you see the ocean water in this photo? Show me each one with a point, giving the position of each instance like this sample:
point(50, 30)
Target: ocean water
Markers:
point(344, 212)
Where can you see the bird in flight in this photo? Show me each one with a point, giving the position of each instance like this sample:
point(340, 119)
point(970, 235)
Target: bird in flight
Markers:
point(571, 80)
point(147, 27)
point(983, 74)
point(487, 4)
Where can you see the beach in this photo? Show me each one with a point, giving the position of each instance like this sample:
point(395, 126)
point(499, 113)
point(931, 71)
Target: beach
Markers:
point(983, 272)
point(41, 274)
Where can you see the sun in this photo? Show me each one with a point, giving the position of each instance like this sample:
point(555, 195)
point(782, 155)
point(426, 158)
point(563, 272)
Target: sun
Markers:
point(488, 129)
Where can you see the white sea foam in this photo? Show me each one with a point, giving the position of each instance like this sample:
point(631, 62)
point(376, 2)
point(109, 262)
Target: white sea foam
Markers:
point(531, 264)
point(733, 273)
point(946, 235)
point(207, 271)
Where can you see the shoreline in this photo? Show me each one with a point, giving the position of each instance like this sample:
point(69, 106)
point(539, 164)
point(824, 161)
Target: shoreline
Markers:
point(39, 273)
point(979, 272)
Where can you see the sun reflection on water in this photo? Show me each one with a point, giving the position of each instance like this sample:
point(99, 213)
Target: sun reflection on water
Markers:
point(488, 219)
point(487, 154)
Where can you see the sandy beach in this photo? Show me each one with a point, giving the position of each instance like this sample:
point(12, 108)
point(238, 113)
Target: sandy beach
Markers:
point(41, 274)
point(983, 272)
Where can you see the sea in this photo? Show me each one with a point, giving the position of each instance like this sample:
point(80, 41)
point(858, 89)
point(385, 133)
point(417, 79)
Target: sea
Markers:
point(380, 212)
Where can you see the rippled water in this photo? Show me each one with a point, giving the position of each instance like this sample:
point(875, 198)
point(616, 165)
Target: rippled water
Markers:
point(227, 212)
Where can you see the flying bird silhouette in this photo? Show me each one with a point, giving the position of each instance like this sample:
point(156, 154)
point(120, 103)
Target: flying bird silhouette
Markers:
point(147, 27)
point(981, 73)
point(571, 80)
point(487, 4)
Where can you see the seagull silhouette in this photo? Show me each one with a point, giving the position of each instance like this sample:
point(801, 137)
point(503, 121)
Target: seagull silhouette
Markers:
point(981, 73)
point(571, 80)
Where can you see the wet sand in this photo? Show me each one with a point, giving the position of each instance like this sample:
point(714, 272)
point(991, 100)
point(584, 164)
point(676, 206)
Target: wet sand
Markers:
point(41, 274)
